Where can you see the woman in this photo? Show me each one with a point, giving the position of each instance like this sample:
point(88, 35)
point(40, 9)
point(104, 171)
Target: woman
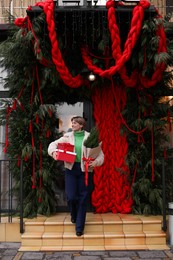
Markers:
point(75, 187)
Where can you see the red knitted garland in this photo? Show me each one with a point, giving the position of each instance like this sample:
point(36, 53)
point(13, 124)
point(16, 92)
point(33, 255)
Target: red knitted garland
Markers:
point(121, 59)
point(112, 191)
point(73, 82)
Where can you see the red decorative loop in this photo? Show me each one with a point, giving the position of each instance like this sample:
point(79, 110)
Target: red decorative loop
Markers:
point(18, 161)
point(33, 172)
point(37, 118)
point(145, 4)
point(48, 133)
point(110, 3)
point(30, 127)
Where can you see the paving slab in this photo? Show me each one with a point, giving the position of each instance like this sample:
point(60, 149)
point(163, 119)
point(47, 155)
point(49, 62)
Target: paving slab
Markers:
point(9, 251)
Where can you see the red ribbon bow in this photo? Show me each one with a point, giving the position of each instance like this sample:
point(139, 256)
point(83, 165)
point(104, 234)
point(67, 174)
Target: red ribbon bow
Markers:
point(87, 161)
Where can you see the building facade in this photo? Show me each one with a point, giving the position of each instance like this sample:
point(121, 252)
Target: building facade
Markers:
point(17, 8)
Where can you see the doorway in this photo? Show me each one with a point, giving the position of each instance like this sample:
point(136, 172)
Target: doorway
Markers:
point(65, 112)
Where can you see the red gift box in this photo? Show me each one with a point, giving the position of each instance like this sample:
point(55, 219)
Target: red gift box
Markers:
point(64, 152)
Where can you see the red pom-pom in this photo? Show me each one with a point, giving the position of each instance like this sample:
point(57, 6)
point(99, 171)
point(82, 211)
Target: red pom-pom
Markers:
point(29, 7)
point(20, 22)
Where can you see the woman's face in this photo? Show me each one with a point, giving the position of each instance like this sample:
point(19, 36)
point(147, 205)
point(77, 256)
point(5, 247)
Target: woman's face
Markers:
point(76, 126)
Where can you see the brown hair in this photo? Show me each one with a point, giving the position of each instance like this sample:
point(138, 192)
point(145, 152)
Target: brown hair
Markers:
point(80, 120)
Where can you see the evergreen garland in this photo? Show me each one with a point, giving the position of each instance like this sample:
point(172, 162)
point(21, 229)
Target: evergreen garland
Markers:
point(22, 66)
point(145, 109)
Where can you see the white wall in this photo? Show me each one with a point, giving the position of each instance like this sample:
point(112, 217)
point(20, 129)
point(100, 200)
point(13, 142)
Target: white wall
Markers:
point(66, 112)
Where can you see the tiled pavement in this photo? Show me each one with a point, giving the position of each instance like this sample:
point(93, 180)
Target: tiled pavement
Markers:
point(9, 251)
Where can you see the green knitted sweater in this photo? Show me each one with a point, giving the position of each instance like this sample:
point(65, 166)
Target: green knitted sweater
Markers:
point(78, 137)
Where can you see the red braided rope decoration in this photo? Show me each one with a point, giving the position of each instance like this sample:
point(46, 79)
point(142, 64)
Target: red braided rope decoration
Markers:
point(73, 82)
point(112, 191)
point(122, 58)
point(102, 194)
point(136, 24)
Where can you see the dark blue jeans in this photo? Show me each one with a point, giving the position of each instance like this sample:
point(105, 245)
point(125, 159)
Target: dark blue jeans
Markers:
point(77, 194)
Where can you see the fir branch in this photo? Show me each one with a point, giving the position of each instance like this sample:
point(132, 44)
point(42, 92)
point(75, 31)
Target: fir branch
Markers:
point(93, 139)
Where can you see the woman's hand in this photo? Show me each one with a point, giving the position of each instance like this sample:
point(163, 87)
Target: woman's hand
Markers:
point(92, 164)
point(54, 155)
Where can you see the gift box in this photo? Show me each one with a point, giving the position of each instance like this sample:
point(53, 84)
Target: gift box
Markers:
point(64, 152)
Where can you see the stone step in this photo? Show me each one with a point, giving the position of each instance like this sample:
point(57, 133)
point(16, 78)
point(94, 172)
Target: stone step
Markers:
point(102, 232)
